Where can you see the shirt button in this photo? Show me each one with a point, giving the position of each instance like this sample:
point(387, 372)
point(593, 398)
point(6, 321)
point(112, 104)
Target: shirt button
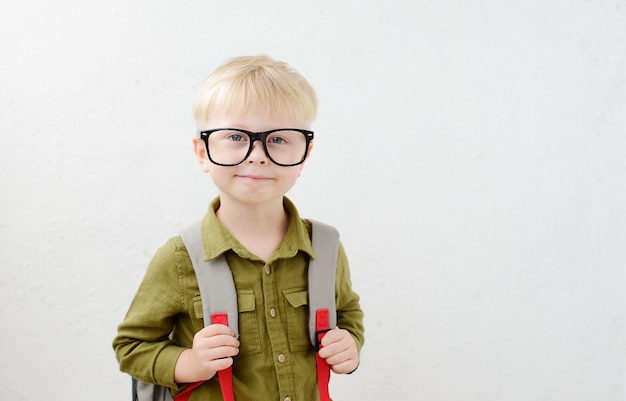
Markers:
point(287, 399)
point(273, 312)
point(268, 270)
point(281, 358)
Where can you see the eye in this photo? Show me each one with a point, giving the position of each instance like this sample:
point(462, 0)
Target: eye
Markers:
point(235, 137)
point(276, 140)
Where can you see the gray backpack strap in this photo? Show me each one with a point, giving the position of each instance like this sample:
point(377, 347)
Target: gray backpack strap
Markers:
point(217, 287)
point(322, 269)
point(217, 290)
point(150, 392)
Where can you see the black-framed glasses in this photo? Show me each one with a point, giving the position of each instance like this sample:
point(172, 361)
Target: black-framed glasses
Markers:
point(231, 146)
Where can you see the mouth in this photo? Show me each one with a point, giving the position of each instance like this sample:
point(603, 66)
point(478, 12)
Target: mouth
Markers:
point(251, 177)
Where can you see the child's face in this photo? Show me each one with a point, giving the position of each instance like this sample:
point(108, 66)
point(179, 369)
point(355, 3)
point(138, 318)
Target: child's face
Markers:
point(257, 179)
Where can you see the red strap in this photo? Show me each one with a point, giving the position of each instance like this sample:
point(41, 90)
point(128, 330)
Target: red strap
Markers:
point(225, 376)
point(323, 368)
point(186, 393)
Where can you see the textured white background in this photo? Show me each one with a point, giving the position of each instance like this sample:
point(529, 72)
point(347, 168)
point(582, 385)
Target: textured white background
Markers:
point(472, 154)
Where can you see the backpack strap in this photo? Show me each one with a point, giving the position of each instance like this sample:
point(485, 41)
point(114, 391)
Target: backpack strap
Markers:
point(322, 311)
point(217, 287)
point(322, 269)
point(218, 294)
point(219, 303)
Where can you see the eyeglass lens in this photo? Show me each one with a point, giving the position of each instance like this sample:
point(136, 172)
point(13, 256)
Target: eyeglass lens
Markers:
point(231, 147)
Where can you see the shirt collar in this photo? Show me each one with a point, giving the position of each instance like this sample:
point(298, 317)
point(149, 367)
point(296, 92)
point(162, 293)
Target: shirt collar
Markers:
point(216, 239)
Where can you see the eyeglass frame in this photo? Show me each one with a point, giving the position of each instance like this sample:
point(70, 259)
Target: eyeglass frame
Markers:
point(256, 136)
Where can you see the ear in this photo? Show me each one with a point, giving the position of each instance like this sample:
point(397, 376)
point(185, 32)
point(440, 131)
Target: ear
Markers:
point(200, 151)
point(308, 154)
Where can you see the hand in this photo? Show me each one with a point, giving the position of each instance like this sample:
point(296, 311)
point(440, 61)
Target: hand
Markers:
point(212, 350)
point(340, 351)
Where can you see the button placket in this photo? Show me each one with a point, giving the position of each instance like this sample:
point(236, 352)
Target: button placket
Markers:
point(275, 330)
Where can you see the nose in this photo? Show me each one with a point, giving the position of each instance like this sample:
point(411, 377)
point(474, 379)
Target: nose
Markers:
point(257, 154)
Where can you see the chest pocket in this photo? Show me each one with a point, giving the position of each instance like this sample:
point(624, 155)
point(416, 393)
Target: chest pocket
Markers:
point(249, 337)
point(248, 326)
point(297, 312)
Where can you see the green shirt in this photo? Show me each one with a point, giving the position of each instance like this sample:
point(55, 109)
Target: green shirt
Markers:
point(276, 360)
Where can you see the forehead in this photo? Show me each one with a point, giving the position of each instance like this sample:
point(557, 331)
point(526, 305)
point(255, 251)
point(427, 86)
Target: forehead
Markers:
point(251, 120)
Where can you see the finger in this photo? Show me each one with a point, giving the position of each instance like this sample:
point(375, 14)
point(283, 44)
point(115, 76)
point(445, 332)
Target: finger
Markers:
point(334, 342)
point(345, 367)
point(221, 340)
point(348, 357)
point(216, 358)
point(215, 342)
point(221, 364)
point(333, 336)
point(221, 352)
point(334, 350)
point(217, 364)
point(215, 329)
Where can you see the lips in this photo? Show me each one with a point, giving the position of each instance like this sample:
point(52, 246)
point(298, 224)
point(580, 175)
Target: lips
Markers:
point(253, 177)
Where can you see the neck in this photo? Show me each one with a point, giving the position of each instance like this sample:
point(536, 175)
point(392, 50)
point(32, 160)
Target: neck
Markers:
point(259, 227)
point(251, 216)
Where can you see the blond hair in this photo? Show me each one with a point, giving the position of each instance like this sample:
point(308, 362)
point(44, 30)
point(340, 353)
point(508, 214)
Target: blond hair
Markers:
point(256, 84)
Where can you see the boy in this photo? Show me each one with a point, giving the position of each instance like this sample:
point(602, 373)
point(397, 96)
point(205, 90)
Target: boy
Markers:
point(267, 245)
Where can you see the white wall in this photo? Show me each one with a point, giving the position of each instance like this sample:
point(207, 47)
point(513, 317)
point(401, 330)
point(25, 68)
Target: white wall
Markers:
point(471, 153)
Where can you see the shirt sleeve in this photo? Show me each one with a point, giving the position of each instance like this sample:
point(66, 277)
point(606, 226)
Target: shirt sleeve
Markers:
point(349, 313)
point(143, 346)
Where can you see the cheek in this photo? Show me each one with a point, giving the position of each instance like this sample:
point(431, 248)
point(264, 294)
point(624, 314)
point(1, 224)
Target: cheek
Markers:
point(292, 176)
point(219, 174)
